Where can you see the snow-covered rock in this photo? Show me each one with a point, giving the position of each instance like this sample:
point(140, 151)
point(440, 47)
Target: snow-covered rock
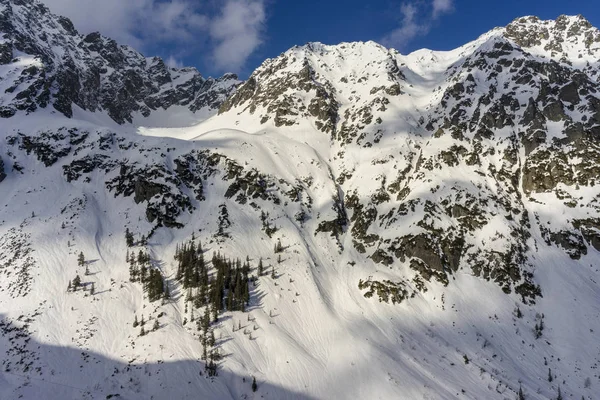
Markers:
point(428, 223)
point(45, 61)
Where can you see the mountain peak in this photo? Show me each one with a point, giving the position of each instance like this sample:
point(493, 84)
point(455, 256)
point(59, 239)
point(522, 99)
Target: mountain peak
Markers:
point(52, 64)
point(568, 38)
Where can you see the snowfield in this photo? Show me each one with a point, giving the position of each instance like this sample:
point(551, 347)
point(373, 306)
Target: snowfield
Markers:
point(308, 331)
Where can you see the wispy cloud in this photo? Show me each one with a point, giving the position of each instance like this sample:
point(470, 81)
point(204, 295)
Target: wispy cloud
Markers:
point(230, 30)
point(415, 20)
point(134, 22)
point(441, 7)
point(237, 32)
point(173, 62)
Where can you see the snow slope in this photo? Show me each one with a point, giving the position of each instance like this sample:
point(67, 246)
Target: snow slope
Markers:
point(350, 198)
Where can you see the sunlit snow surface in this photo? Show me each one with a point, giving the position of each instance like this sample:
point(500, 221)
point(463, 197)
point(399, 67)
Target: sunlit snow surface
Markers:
point(327, 342)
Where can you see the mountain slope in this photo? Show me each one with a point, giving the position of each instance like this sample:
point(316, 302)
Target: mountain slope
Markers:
point(427, 224)
point(45, 61)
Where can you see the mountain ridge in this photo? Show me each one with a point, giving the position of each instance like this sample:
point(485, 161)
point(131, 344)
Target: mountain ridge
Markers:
point(56, 65)
point(353, 221)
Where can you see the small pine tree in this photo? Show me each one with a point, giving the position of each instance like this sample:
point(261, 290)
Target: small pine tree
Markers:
point(92, 289)
point(550, 379)
point(273, 273)
point(254, 385)
point(128, 238)
point(156, 325)
point(69, 287)
point(215, 314)
point(520, 395)
point(76, 282)
point(87, 270)
point(261, 268)
point(142, 331)
point(135, 322)
point(279, 259)
point(142, 322)
point(81, 259)
point(211, 368)
point(560, 396)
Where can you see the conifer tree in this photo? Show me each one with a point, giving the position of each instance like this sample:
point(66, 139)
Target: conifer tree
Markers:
point(211, 339)
point(81, 259)
point(92, 289)
point(520, 395)
point(142, 331)
point(128, 238)
point(215, 314)
point(261, 268)
point(69, 287)
point(156, 325)
point(135, 321)
point(254, 385)
point(76, 282)
point(206, 320)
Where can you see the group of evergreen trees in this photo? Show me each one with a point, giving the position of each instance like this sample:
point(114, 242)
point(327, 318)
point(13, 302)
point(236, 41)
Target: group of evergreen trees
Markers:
point(266, 225)
point(76, 283)
point(224, 288)
point(130, 241)
point(142, 322)
point(140, 270)
point(228, 288)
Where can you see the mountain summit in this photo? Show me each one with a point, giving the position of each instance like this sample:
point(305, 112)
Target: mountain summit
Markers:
point(48, 63)
point(350, 222)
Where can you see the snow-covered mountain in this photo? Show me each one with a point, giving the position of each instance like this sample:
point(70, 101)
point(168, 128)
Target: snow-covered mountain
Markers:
point(45, 62)
point(350, 222)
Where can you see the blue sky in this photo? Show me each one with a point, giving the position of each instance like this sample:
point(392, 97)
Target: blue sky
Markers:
point(237, 35)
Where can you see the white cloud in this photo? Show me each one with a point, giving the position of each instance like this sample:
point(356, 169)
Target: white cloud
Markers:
point(237, 32)
point(441, 7)
point(409, 27)
point(231, 29)
point(133, 22)
point(416, 19)
point(173, 62)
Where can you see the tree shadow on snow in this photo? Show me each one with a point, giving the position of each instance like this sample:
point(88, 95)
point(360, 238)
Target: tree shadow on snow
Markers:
point(34, 370)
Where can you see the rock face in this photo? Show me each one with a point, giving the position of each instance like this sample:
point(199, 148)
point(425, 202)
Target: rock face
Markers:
point(463, 148)
point(51, 64)
point(2, 173)
point(461, 187)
